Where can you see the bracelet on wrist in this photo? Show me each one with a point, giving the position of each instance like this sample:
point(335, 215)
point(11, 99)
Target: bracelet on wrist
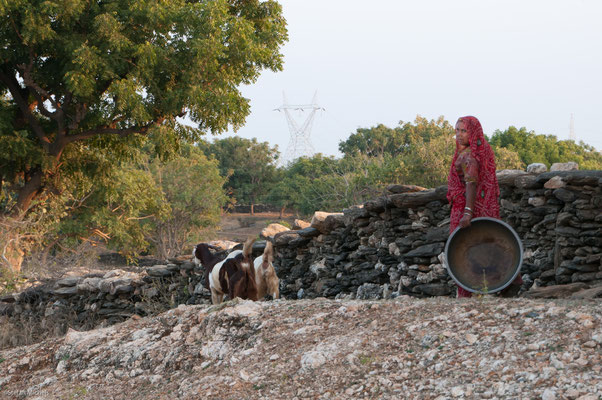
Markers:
point(468, 209)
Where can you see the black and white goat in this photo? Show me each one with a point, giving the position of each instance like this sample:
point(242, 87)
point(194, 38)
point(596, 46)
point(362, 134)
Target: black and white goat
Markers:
point(234, 276)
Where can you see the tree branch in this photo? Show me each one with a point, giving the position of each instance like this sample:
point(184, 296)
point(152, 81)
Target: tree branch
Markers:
point(108, 130)
point(15, 90)
point(40, 94)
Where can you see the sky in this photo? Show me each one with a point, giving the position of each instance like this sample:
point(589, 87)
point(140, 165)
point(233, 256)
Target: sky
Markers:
point(526, 63)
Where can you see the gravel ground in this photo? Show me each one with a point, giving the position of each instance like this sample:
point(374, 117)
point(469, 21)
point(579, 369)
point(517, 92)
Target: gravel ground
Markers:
point(482, 348)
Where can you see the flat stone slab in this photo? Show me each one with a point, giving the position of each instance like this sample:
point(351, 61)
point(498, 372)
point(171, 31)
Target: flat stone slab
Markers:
point(593, 293)
point(555, 291)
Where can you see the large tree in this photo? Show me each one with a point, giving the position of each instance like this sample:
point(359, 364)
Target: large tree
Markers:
point(248, 164)
point(76, 71)
point(80, 77)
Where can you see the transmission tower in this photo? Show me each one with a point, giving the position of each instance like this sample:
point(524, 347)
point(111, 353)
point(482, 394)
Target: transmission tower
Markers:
point(300, 143)
point(572, 129)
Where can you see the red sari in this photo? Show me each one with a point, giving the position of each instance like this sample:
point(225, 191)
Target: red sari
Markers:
point(477, 164)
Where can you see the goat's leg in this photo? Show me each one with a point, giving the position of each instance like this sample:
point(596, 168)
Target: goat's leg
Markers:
point(215, 297)
point(273, 288)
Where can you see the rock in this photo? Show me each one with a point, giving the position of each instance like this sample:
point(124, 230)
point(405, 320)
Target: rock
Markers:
point(565, 195)
point(556, 291)
point(548, 394)
point(369, 291)
point(223, 244)
point(537, 201)
point(507, 177)
point(434, 289)
point(312, 360)
point(593, 293)
point(67, 282)
point(526, 182)
point(89, 285)
point(318, 267)
point(411, 200)
point(300, 224)
point(536, 168)
point(283, 238)
point(567, 166)
point(554, 183)
point(308, 232)
point(405, 188)
point(64, 291)
point(471, 339)
point(323, 223)
point(426, 250)
point(271, 230)
point(159, 271)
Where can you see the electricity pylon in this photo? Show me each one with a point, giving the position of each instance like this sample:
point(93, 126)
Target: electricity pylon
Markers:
point(300, 143)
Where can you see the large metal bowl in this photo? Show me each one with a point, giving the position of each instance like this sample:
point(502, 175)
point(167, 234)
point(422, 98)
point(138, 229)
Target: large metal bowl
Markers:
point(484, 257)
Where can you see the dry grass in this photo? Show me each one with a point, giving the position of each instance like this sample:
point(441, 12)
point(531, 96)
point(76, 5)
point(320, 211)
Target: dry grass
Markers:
point(24, 328)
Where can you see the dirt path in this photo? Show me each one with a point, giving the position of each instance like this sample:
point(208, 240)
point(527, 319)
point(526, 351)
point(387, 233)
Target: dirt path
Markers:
point(238, 227)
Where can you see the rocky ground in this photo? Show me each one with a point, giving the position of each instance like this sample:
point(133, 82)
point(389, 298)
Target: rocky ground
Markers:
point(437, 348)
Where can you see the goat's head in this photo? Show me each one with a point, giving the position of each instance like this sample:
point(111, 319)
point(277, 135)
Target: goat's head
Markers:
point(201, 253)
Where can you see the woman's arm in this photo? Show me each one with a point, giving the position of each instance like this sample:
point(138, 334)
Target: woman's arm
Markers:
point(471, 191)
point(470, 168)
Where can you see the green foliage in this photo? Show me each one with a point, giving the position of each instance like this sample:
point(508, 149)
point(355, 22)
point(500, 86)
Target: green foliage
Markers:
point(85, 85)
point(546, 149)
point(249, 165)
point(381, 140)
point(192, 186)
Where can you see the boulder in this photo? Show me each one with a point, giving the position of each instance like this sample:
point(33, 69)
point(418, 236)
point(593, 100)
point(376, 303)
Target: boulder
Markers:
point(325, 221)
point(567, 166)
point(272, 229)
point(537, 168)
point(223, 244)
point(300, 224)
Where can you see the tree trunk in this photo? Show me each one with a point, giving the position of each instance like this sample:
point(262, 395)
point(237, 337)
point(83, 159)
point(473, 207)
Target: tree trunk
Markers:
point(27, 194)
point(252, 209)
point(281, 212)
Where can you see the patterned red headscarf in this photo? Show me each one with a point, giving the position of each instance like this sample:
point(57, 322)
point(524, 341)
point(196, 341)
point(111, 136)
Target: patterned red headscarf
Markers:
point(488, 191)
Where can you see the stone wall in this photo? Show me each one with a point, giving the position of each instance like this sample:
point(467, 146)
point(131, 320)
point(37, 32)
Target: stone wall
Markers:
point(386, 247)
point(393, 245)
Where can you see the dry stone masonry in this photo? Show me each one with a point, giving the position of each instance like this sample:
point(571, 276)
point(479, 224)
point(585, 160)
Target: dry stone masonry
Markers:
point(384, 248)
point(393, 245)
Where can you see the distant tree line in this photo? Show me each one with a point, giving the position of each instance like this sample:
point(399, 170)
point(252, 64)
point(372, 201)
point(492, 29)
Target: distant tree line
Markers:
point(417, 153)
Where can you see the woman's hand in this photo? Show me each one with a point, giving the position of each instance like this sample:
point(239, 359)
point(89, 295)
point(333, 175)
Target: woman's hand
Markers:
point(465, 221)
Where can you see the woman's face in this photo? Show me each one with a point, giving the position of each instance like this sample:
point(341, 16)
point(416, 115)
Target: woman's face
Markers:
point(461, 133)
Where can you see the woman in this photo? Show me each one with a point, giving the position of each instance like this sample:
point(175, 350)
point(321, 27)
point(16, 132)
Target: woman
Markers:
point(472, 188)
